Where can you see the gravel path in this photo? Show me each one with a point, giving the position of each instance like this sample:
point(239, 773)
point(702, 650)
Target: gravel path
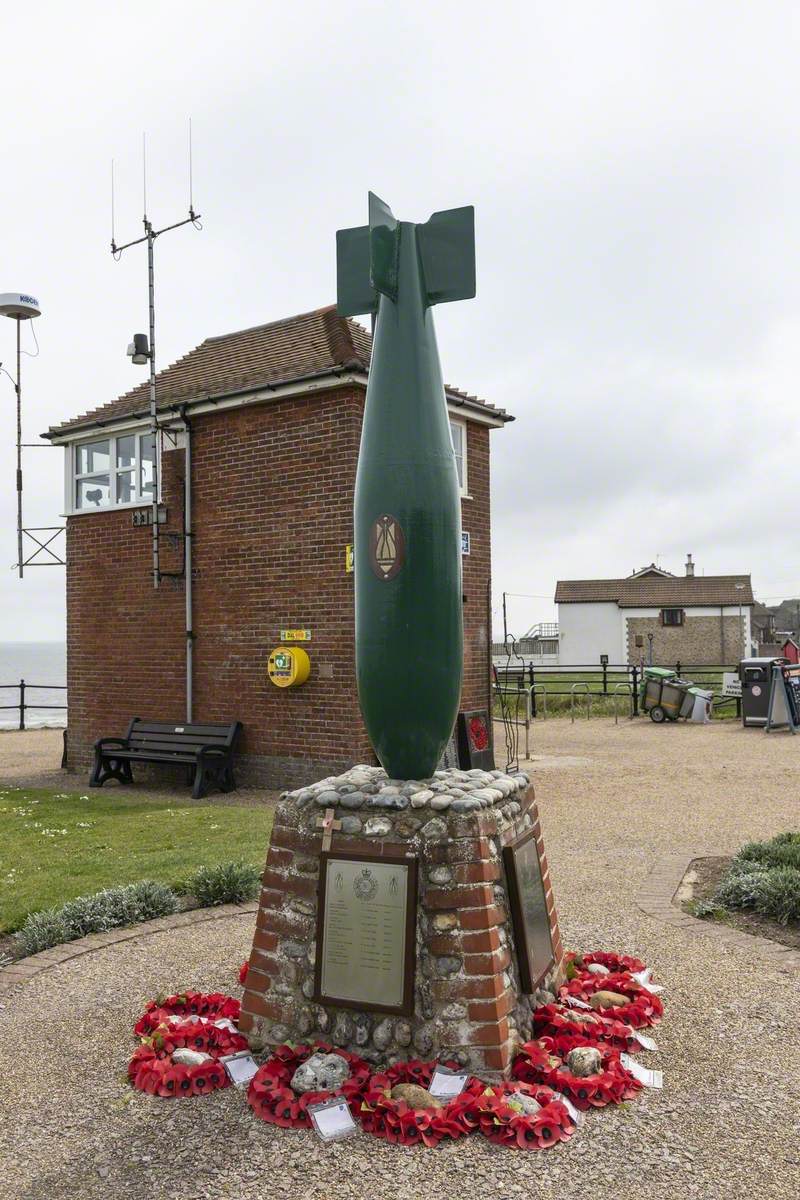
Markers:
point(725, 1125)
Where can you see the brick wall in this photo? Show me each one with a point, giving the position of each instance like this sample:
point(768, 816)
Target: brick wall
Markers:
point(702, 640)
point(273, 502)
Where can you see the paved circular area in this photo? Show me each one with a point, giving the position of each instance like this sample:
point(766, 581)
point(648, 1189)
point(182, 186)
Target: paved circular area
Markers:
point(725, 1125)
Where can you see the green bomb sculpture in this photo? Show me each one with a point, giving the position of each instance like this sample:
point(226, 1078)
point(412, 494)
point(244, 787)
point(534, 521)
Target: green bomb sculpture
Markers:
point(408, 603)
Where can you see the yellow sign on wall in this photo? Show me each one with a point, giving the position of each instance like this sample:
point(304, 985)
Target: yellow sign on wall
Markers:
point(349, 558)
point(295, 635)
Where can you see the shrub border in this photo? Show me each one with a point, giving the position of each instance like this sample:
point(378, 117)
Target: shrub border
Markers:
point(657, 899)
point(24, 969)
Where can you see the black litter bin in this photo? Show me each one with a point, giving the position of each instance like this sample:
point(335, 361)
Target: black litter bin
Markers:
point(756, 678)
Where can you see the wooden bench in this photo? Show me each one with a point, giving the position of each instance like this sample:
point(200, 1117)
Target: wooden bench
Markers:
point(206, 751)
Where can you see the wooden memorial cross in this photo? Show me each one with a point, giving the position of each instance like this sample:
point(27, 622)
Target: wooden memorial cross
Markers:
point(327, 824)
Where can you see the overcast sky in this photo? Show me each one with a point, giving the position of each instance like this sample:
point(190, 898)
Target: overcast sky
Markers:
point(635, 170)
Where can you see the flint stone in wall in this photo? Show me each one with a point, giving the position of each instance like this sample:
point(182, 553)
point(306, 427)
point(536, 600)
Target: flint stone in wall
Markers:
point(327, 799)
point(435, 828)
point(278, 1034)
point(407, 826)
point(393, 800)
point(352, 824)
point(454, 1012)
point(377, 827)
point(424, 1040)
point(402, 1033)
point(382, 1034)
point(352, 800)
point(362, 1027)
point(308, 988)
point(303, 906)
point(343, 1029)
point(305, 1021)
point(440, 875)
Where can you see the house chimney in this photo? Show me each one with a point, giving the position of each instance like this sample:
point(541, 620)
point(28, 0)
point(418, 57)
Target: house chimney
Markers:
point(689, 566)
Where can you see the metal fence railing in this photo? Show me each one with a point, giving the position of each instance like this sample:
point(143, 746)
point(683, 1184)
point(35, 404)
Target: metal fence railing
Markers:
point(580, 684)
point(23, 688)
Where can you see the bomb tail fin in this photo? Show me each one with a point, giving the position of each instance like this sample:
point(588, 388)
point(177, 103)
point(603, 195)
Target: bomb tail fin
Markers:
point(447, 249)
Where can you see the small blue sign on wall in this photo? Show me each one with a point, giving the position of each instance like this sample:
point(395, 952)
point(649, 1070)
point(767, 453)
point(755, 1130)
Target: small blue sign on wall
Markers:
point(464, 542)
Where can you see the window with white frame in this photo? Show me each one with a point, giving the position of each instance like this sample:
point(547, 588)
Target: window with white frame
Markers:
point(111, 471)
point(458, 433)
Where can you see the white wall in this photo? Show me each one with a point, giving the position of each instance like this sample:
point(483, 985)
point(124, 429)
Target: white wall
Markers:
point(585, 631)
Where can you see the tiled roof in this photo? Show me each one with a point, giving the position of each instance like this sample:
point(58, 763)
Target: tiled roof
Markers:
point(283, 352)
point(653, 592)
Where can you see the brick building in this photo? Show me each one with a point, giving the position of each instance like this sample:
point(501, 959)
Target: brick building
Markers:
point(273, 415)
point(692, 619)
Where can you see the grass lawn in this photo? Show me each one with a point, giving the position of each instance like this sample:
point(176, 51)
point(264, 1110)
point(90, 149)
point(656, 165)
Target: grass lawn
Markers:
point(56, 847)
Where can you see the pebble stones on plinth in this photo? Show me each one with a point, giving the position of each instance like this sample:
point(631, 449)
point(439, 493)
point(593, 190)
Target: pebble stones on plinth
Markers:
point(351, 950)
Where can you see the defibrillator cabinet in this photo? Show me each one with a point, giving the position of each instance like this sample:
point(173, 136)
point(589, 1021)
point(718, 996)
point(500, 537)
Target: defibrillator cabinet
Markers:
point(288, 666)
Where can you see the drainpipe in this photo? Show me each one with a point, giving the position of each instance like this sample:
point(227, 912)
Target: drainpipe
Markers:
point(187, 561)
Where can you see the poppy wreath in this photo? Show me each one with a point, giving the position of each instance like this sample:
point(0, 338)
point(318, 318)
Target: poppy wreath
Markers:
point(494, 1113)
point(616, 963)
point(642, 1008)
point(152, 1069)
point(214, 1006)
point(583, 1028)
point(272, 1099)
point(243, 969)
point(397, 1121)
point(541, 1062)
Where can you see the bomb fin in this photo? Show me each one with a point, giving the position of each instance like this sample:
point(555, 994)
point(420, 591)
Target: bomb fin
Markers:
point(384, 247)
point(354, 292)
point(447, 249)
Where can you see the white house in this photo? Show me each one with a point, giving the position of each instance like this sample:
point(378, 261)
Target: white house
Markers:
point(655, 616)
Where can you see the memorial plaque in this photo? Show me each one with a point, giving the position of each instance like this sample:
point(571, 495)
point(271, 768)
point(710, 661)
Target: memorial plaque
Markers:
point(531, 923)
point(366, 933)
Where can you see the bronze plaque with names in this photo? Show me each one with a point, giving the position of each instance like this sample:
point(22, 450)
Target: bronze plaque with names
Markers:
point(529, 917)
point(366, 932)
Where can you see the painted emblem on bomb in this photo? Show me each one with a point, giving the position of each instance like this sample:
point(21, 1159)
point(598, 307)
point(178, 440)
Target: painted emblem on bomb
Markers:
point(387, 547)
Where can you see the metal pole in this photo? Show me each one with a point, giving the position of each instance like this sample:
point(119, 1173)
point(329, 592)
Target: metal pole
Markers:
point(19, 454)
point(187, 562)
point(22, 703)
point(635, 692)
point(153, 413)
point(505, 624)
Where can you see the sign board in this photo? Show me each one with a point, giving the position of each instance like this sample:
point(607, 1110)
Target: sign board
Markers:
point(731, 684)
point(784, 697)
point(295, 635)
point(366, 932)
point(529, 914)
point(603, 660)
point(349, 558)
point(144, 516)
point(464, 542)
point(475, 741)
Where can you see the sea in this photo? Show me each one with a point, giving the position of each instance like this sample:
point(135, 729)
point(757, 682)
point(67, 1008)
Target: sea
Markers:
point(43, 664)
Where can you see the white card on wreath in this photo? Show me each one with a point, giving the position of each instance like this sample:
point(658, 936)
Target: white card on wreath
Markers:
point(332, 1119)
point(647, 1043)
point(576, 1002)
point(240, 1068)
point(651, 1079)
point(445, 1084)
point(574, 1112)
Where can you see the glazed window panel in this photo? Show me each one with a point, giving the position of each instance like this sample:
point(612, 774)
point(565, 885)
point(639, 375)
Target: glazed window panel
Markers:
point(458, 434)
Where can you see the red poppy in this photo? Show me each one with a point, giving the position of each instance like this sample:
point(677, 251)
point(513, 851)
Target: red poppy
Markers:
point(243, 969)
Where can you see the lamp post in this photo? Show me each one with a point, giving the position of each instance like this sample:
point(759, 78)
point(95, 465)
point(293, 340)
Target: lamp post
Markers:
point(19, 306)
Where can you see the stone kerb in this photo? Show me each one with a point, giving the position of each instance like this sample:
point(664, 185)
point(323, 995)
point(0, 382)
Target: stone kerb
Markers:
point(468, 1003)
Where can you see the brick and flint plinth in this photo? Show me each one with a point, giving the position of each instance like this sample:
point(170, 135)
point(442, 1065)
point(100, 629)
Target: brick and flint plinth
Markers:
point(467, 999)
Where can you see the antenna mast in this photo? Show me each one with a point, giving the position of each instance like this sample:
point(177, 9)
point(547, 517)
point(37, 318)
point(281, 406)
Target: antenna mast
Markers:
point(141, 354)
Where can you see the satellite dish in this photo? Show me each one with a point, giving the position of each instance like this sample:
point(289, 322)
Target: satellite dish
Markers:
point(19, 305)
